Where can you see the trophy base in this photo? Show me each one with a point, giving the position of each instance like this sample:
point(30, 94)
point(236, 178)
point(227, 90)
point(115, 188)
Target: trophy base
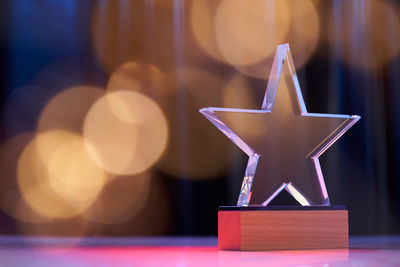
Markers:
point(256, 228)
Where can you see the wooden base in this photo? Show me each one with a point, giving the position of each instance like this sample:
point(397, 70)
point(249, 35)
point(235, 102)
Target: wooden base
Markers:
point(282, 228)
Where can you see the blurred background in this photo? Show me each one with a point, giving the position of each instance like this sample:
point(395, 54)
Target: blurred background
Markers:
point(100, 131)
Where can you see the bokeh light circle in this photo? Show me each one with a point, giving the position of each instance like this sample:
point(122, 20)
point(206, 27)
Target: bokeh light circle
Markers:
point(248, 31)
point(304, 31)
point(11, 200)
point(126, 132)
point(58, 113)
point(72, 173)
point(202, 19)
point(303, 37)
point(139, 77)
point(56, 176)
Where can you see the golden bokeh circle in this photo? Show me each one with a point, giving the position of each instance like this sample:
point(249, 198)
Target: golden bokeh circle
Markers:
point(58, 113)
point(126, 132)
point(248, 31)
point(139, 77)
point(56, 177)
point(11, 200)
point(202, 21)
point(303, 36)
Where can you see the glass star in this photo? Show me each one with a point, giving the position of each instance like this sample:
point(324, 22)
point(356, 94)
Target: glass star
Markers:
point(285, 141)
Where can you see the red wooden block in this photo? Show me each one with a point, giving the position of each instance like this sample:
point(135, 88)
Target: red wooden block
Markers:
point(261, 228)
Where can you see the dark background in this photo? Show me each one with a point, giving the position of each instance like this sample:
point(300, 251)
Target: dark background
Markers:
point(353, 69)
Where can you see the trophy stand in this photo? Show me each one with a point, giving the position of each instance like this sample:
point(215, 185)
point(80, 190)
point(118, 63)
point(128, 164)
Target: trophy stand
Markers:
point(283, 143)
point(256, 228)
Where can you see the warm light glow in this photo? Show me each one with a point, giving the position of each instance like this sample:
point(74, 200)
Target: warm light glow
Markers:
point(121, 199)
point(240, 93)
point(248, 31)
point(55, 175)
point(187, 155)
point(153, 217)
point(139, 77)
point(123, 31)
point(11, 200)
point(364, 35)
point(76, 227)
point(126, 132)
point(202, 22)
point(205, 86)
point(73, 175)
point(118, 32)
point(59, 114)
point(303, 35)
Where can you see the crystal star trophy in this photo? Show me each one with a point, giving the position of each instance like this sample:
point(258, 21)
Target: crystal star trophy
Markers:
point(283, 155)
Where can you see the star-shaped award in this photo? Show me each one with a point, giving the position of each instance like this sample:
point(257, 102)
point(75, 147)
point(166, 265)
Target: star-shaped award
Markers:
point(285, 141)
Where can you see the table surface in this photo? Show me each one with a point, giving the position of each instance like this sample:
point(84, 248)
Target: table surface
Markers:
point(175, 251)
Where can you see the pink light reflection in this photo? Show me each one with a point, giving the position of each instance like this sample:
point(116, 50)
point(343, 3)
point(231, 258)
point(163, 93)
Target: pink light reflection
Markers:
point(172, 256)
